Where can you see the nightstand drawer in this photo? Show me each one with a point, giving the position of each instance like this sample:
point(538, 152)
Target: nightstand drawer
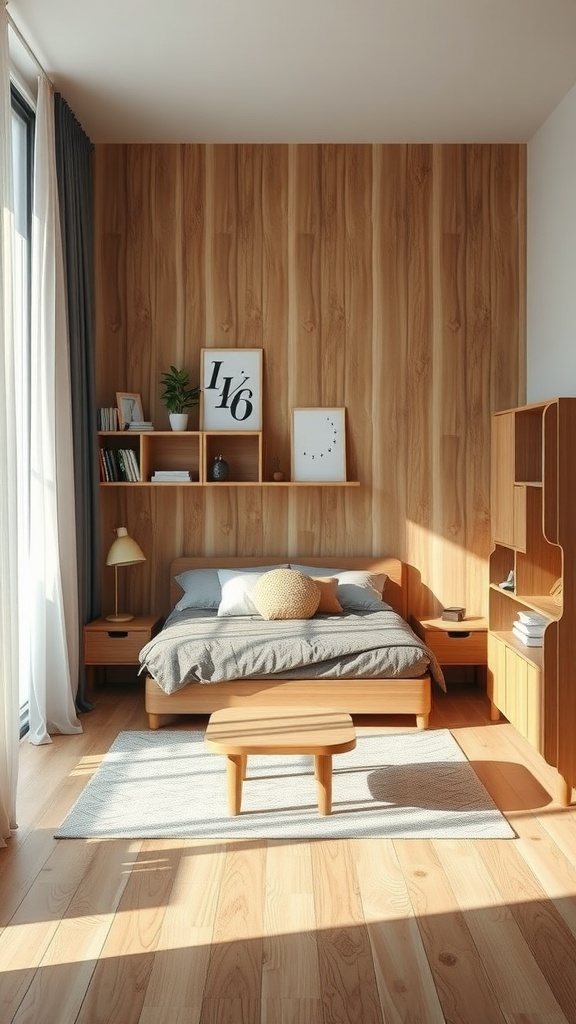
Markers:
point(458, 647)
point(116, 646)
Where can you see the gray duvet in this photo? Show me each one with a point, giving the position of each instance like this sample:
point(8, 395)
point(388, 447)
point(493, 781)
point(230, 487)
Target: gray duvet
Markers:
point(195, 646)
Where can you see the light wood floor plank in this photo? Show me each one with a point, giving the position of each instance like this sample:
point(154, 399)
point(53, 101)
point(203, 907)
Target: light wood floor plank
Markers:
point(290, 955)
point(347, 973)
point(462, 980)
point(514, 973)
point(405, 982)
point(183, 949)
point(233, 980)
point(59, 985)
point(117, 987)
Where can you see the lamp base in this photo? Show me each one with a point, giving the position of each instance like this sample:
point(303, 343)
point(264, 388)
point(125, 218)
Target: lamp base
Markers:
point(120, 617)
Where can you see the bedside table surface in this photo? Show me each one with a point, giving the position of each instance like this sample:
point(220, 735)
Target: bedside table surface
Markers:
point(470, 624)
point(138, 623)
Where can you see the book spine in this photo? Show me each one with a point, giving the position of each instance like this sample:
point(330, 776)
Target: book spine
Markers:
point(103, 467)
point(134, 462)
point(128, 466)
point(122, 471)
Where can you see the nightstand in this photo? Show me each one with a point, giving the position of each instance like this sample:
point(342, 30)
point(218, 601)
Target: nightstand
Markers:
point(455, 643)
point(116, 643)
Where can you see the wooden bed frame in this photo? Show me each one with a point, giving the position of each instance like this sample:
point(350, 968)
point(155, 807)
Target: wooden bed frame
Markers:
point(357, 696)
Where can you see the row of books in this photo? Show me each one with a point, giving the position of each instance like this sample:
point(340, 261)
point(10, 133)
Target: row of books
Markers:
point(107, 418)
point(119, 464)
point(529, 628)
point(166, 476)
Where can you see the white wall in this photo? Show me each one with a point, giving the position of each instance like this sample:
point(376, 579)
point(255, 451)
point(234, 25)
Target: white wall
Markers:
point(551, 255)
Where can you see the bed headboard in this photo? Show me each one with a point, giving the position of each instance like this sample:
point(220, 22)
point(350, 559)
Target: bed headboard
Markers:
point(395, 591)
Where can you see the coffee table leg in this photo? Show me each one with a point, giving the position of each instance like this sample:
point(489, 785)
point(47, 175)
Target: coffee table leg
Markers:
point(323, 774)
point(235, 770)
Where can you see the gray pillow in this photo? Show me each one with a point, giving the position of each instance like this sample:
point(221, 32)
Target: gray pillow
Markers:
point(357, 590)
point(202, 587)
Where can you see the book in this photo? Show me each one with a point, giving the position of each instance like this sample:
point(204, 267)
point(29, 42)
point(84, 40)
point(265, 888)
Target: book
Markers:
point(103, 467)
point(167, 476)
point(125, 457)
point(111, 471)
point(134, 459)
point(122, 470)
point(528, 641)
point(533, 619)
point(526, 630)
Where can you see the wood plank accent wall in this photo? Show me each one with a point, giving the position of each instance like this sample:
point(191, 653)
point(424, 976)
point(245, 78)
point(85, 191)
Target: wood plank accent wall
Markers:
point(389, 279)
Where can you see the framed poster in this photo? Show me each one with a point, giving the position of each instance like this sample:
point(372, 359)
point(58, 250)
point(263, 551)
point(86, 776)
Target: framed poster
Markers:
point(319, 444)
point(231, 389)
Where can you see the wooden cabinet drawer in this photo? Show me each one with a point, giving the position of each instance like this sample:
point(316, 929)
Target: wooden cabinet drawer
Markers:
point(457, 647)
point(115, 647)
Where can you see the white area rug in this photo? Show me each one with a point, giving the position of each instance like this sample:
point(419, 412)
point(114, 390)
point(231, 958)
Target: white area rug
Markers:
point(165, 785)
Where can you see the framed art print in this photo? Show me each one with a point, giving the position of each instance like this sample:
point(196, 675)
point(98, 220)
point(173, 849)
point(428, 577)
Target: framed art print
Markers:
point(231, 389)
point(319, 444)
point(129, 409)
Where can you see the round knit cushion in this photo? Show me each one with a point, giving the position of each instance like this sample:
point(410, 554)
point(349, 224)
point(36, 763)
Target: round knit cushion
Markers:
point(285, 594)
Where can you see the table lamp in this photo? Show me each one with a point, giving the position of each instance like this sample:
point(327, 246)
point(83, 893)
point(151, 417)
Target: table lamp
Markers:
point(123, 551)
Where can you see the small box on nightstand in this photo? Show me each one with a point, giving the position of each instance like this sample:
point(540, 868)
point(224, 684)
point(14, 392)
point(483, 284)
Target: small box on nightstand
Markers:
point(454, 614)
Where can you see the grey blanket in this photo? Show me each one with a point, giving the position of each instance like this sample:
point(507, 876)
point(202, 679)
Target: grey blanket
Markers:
point(197, 646)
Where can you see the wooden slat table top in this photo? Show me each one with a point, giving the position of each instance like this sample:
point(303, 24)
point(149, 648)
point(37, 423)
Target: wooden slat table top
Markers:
point(259, 731)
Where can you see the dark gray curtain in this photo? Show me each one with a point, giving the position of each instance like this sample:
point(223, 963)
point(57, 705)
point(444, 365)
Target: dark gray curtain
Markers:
point(74, 172)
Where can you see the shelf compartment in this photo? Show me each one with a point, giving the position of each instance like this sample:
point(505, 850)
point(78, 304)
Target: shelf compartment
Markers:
point(528, 445)
point(115, 441)
point(172, 450)
point(242, 450)
point(541, 603)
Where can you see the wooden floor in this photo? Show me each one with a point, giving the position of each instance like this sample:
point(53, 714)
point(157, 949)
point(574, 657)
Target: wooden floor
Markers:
point(327, 932)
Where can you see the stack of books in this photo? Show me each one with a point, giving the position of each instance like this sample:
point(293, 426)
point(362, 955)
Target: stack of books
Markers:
point(119, 465)
point(529, 629)
point(108, 419)
point(141, 425)
point(166, 476)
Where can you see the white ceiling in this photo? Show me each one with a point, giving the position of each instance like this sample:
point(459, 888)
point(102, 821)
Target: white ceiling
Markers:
point(305, 70)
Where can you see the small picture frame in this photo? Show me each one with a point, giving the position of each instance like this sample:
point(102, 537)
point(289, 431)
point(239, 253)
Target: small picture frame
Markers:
point(319, 445)
point(231, 389)
point(129, 409)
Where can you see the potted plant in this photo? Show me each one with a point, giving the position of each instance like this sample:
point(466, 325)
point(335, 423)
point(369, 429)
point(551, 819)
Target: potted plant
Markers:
point(178, 396)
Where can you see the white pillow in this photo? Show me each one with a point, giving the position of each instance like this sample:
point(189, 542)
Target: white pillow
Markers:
point(202, 587)
point(236, 589)
point(357, 590)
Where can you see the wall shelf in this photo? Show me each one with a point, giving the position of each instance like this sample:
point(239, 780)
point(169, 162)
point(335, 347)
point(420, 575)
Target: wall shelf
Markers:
point(194, 451)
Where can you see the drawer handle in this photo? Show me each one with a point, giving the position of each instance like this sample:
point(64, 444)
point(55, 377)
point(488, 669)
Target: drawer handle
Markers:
point(117, 634)
point(457, 634)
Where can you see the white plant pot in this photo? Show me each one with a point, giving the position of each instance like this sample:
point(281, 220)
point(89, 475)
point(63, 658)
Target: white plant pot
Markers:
point(178, 420)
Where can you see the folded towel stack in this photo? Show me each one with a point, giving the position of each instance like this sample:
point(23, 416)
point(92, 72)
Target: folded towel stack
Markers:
point(529, 629)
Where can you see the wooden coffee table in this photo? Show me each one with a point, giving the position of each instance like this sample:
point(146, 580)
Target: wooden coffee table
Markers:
point(237, 732)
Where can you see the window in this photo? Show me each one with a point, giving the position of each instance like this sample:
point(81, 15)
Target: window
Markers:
point(22, 157)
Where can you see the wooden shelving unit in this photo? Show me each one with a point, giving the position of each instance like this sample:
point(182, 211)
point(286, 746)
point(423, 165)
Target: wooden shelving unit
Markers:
point(194, 451)
point(534, 535)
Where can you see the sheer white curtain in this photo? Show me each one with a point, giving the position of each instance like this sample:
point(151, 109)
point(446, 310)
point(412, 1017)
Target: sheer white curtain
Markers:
point(52, 583)
point(9, 712)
